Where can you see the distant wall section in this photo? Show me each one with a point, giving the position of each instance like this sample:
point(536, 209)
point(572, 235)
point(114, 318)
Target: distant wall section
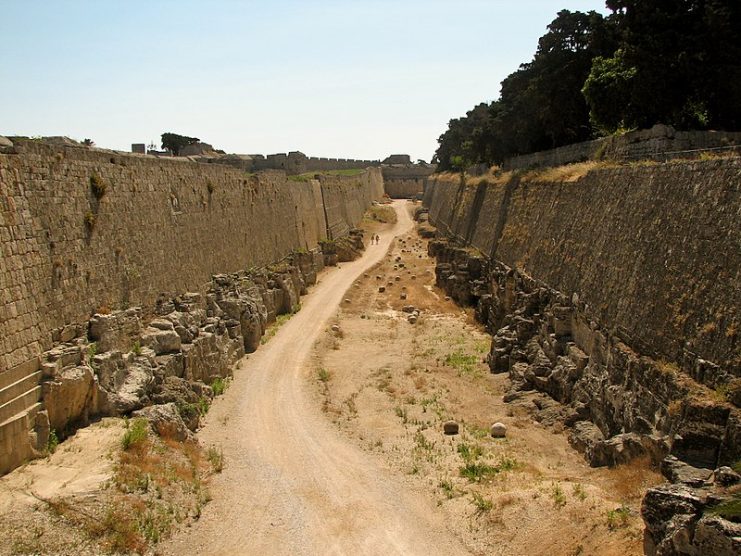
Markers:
point(154, 225)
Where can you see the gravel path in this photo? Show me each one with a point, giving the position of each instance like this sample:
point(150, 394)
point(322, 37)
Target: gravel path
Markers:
point(291, 483)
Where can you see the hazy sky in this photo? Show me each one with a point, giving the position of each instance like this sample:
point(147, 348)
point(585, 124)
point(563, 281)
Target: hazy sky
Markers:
point(351, 79)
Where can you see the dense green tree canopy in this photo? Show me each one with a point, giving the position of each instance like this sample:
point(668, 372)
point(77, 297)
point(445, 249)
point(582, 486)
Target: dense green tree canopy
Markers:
point(676, 62)
point(174, 142)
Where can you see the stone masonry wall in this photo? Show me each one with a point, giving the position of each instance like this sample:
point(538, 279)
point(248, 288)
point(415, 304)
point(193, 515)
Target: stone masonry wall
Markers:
point(652, 250)
point(660, 143)
point(161, 225)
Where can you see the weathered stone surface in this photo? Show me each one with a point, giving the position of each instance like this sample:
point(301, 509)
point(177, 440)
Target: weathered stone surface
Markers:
point(677, 471)
point(450, 427)
point(165, 421)
point(498, 430)
point(161, 340)
point(70, 398)
point(117, 330)
point(717, 536)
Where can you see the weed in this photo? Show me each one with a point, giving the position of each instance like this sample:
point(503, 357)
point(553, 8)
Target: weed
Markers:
point(203, 405)
point(215, 457)
point(401, 413)
point(218, 386)
point(136, 434)
point(483, 505)
point(280, 320)
point(477, 472)
point(210, 187)
point(720, 394)
point(579, 492)
point(89, 220)
point(98, 186)
point(462, 362)
point(137, 348)
point(507, 464)
point(422, 442)
point(92, 350)
point(618, 518)
point(323, 375)
point(447, 488)
point(470, 453)
point(559, 499)
point(53, 442)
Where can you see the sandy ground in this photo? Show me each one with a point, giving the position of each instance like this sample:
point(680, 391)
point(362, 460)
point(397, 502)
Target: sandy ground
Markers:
point(389, 386)
point(292, 484)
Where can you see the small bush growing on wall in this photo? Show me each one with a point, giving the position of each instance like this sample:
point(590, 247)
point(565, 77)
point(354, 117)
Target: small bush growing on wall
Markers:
point(98, 186)
point(89, 220)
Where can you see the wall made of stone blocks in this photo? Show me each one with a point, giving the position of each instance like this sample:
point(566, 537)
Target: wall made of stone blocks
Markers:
point(659, 143)
point(652, 250)
point(161, 225)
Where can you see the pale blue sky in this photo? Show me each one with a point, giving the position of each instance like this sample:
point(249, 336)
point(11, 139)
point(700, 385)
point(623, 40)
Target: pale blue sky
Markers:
point(352, 79)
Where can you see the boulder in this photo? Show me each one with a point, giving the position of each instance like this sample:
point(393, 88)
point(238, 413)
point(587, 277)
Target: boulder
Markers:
point(166, 421)
point(161, 340)
point(450, 427)
point(498, 430)
point(70, 397)
point(677, 471)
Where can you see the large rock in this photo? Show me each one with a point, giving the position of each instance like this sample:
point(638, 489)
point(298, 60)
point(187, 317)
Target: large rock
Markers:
point(70, 398)
point(166, 421)
point(161, 339)
point(125, 382)
point(117, 330)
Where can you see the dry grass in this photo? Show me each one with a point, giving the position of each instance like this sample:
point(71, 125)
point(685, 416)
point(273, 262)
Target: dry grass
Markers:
point(630, 481)
point(566, 173)
point(157, 483)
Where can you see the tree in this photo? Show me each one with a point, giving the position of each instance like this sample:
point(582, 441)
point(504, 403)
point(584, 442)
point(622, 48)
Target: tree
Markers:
point(678, 63)
point(175, 143)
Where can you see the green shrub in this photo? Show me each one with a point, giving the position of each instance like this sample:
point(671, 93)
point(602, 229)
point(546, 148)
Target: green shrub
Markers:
point(218, 386)
point(137, 433)
point(52, 442)
point(137, 348)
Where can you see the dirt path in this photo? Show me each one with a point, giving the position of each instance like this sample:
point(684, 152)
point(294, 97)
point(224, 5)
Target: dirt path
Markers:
point(292, 484)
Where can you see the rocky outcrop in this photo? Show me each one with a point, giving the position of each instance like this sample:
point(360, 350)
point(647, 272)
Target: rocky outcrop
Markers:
point(698, 513)
point(620, 404)
point(167, 359)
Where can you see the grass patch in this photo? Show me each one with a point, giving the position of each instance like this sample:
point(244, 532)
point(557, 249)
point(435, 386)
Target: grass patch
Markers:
point(462, 362)
point(559, 498)
point(477, 472)
point(482, 505)
point(280, 320)
point(447, 488)
point(381, 213)
point(730, 509)
point(618, 518)
point(136, 434)
point(323, 375)
point(218, 386)
point(215, 457)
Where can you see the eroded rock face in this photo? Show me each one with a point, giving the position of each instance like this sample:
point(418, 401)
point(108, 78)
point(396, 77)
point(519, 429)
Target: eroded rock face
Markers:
point(619, 404)
point(555, 344)
point(166, 421)
point(127, 364)
point(681, 520)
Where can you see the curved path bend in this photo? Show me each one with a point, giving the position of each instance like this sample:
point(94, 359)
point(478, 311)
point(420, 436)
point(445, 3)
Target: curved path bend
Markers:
point(291, 483)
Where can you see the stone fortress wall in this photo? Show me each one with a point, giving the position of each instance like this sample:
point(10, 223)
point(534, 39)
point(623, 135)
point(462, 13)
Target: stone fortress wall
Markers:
point(162, 225)
point(660, 143)
point(653, 250)
point(126, 238)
